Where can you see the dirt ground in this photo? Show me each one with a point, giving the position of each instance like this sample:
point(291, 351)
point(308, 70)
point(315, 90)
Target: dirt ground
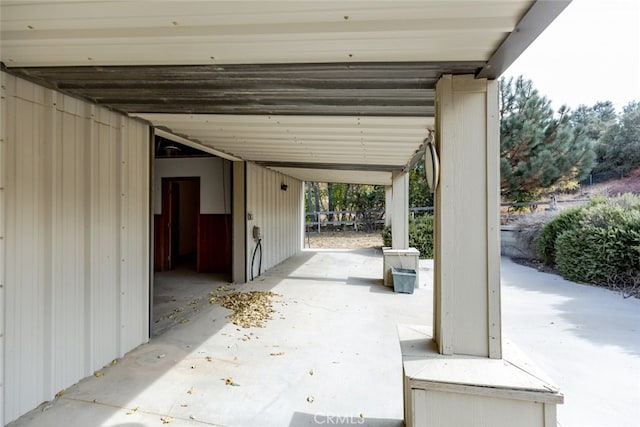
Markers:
point(342, 240)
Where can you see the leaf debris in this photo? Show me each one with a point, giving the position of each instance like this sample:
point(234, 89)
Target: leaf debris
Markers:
point(166, 420)
point(133, 410)
point(229, 381)
point(250, 309)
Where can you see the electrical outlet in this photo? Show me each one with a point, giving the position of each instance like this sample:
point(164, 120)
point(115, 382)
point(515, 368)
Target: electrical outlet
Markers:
point(256, 233)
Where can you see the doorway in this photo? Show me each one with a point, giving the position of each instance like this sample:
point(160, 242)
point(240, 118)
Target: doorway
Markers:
point(192, 232)
point(180, 209)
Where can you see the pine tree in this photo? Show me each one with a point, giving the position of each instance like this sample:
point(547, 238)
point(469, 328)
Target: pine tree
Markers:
point(538, 148)
point(618, 147)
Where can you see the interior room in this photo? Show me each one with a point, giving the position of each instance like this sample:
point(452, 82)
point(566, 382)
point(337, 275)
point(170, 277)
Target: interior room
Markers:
point(192, 230)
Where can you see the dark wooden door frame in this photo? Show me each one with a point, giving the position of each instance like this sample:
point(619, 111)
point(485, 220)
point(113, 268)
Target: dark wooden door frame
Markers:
point(168, 204)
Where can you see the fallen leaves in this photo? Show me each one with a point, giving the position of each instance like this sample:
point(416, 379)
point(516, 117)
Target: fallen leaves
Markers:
point(190, 391)
point(98, 374)
point(280, 353)
point(59, 394)
point(133, 410)
point(229, 381)
point(209, 359)
point(310, 399)
point(166, 420)
point(249, 308)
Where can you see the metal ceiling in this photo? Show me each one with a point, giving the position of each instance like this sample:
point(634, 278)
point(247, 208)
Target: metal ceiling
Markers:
point(230, 74)
point(307, 145)
point(350, 89)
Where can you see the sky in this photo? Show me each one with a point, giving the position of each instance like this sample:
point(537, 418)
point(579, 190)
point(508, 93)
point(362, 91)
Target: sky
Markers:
point(590, 53)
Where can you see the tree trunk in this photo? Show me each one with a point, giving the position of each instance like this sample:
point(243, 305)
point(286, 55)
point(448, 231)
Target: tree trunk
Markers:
point(332, 205)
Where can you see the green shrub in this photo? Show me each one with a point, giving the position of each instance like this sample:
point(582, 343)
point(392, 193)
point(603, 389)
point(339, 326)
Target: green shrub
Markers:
point(420, 235)
point(546, 240)
point(605, 247)
point(386, 236)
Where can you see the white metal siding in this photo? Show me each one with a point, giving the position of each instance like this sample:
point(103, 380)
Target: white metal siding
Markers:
point(3, 168)
point(77, 233)
point(276, 212)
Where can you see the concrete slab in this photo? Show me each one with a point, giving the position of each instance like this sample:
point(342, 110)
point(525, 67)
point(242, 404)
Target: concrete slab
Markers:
point(587, 339)
point(329, 355)
point(178, 294)
point(334, 343)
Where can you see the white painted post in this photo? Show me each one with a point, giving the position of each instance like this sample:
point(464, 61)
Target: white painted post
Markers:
point(239, 221)
point(400, 211)
point(467, 245)
point(388, 204)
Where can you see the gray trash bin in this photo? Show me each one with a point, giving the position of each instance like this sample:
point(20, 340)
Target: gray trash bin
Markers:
point(404, 280)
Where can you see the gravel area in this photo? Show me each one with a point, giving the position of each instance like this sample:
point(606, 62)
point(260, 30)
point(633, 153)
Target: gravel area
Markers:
point(342, 240)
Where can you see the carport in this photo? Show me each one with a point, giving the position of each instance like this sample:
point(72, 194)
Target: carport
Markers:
point(287, 91)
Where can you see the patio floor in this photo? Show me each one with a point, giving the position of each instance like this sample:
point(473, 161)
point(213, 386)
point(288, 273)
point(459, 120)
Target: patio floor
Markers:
point(330, 355)
point(331, 350)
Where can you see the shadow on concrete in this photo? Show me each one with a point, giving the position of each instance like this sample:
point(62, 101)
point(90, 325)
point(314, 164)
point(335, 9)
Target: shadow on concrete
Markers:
point(172, 374)
point(375, 285)
point(179, 294)
point(128, 382)
point(593, 313)
point(304, 419)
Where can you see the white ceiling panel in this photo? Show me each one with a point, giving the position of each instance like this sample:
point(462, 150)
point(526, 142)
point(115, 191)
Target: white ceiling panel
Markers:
point(315, 142)
point(53, 33)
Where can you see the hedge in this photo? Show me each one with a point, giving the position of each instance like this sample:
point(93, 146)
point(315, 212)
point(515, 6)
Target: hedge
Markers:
point(598, 243)
point(420, 235)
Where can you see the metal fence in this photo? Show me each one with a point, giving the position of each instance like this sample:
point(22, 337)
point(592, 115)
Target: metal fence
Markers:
point(317, 220)
point(600, 177)
point(356, 219)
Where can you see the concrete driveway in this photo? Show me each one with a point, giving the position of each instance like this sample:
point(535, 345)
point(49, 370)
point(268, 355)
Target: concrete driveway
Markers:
point(587, 339)
point(330, 355)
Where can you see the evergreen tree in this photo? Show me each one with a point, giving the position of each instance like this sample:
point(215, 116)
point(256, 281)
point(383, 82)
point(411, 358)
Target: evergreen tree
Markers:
point(538, 148)
point(618, 147)
point(596, 120)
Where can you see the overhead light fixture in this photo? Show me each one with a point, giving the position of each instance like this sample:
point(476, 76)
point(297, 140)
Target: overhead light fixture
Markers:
point(171, 150)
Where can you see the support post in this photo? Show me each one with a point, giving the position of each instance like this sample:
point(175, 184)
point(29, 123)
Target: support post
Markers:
point(457, 376)
point(388, 204)
point(467, 239)
point(400, 211)
point(400, 255)
point(239, 224)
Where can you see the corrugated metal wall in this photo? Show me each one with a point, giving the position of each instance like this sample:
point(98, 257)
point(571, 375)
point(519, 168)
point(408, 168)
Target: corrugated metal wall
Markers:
point(3, 148)
point(76, 216)
point(276, 212)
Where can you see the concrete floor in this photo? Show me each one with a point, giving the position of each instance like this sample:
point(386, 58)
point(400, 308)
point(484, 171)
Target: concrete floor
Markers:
point(179, 294)
point(335, 320)
point(587, 339)
point(336, 357)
